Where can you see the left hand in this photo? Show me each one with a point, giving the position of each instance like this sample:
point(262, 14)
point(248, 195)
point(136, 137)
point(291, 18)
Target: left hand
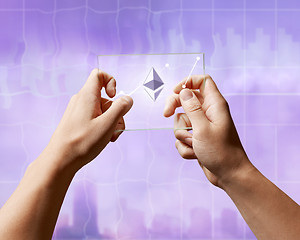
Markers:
point(90, 121)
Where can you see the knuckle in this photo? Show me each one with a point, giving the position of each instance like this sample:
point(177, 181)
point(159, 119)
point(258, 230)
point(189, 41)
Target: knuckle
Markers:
point(123, 125)
point(113, 82)
point(224, 104)
point(178, 134)
point(74, 97)
point(183, 150)
point(203, 132)
point(181, 121)
point(186, 120)
point(182, 116)
point(124, 103)
point(115, 137)
point(172, 100)
point(177, 119)
point(207, 76)
point(185, 153)
point(195, 108)
point(96, 71)
point(177, 144)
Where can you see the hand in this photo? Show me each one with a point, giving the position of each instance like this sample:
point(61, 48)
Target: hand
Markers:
point(90, 121)
point(214, 141)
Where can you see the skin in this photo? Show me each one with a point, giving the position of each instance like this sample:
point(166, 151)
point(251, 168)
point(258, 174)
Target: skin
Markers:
point(268, 211)
point(90, 123)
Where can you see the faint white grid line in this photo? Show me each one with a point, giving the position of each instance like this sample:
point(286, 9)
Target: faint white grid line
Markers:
point(25, 123)
point(23, 30)
point(9, 182)
point(213, 214)
point(111, 184)
point(276, 33)
point(86, 31)
point(212, 194)
point(119, 48)
point(87, 202)
point(66, 67)
point(22, 126)
point(149, 25)
point(262, 94)
point(33, 94)
point(87, 205)
point(4, 88)
point(288, 182)
point(276, 154)
point(244, 81)
point(56, 42)
point(148, 176)
point(54, 116)
point(182, 164)
point(148, 183)
point(118, 192)
point(148, 173)
point(213, 17)
point(255, 67)
point(120, 182)
point(181, 27)
point(269, 125)
point(153, 12)
point(26, 160)
point(181, 197)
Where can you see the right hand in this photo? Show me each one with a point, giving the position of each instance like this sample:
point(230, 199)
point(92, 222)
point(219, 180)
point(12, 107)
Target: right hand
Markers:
point(214, 141)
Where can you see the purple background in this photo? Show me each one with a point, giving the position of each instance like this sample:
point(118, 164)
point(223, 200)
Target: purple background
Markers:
point(139, 187)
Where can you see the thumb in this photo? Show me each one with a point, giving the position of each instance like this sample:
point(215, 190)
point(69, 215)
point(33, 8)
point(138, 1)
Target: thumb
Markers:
point(112, 115)
point(193, 108)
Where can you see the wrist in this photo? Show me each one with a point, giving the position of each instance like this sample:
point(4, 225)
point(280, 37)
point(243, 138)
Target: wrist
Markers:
point(239, 174)
point(52, 165)
point(63, 156)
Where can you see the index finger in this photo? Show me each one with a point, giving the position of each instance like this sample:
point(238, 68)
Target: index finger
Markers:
point(173, 102)
point(194, 82)
point(99, 79)
point(108, 82)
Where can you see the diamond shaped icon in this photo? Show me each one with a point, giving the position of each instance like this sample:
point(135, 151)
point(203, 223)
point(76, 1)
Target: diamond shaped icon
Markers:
point(153, 84)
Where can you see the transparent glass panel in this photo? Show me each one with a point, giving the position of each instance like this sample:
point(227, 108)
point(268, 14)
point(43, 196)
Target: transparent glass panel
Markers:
point(149, 79)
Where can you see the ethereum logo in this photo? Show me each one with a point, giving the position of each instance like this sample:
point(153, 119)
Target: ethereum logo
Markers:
point(153, 84)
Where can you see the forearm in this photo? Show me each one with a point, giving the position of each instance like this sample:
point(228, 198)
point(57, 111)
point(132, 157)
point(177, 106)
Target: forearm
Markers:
point(268, 211)
point(31, 212)
point(87, 126)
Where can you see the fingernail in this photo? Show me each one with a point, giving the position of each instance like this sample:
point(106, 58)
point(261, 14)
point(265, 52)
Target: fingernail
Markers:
point(186, 94)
